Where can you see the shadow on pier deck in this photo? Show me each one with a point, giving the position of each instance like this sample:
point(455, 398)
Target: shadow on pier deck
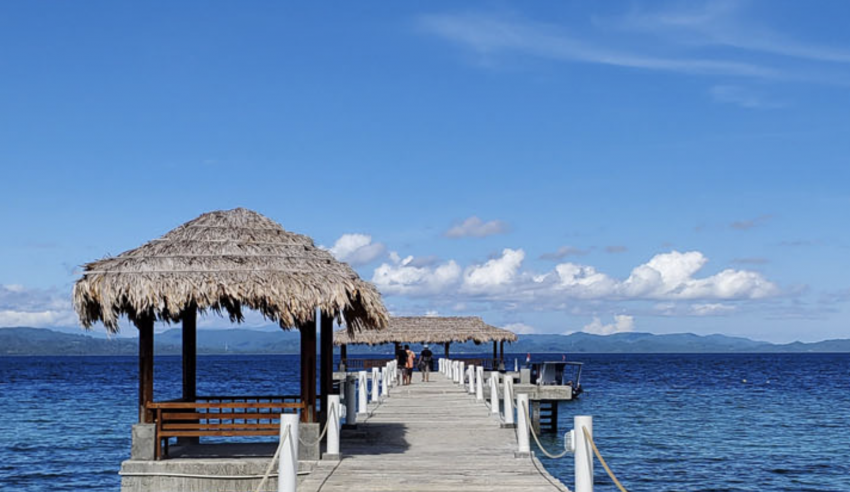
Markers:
point(429, 437)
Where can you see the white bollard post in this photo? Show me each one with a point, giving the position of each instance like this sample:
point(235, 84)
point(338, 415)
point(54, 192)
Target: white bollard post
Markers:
point(516, 366)
point(455, 365)
point(470, 383)
point(361, 393)
point(509, 401)
point(494, 392)
point(460, 374)
point(287, 467)
point(583, 454)
point(333, 425)
point(523, 448)
point(385, 381)
point(350, 402)
point(479, 383)
point(376, 385)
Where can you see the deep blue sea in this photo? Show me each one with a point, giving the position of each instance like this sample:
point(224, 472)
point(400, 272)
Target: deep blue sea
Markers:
point(778, 422)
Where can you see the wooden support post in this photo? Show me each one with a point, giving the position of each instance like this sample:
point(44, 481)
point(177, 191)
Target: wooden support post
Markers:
point(495, 356)
point(326, 373)
point(189, 319)
point(190, 353)
point(447, 349)
point(343, 357)
point(308, 370)
point(502, 352)
point(145, 326)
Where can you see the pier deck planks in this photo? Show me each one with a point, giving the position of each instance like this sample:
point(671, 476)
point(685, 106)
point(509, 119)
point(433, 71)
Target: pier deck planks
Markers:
point(430, 437)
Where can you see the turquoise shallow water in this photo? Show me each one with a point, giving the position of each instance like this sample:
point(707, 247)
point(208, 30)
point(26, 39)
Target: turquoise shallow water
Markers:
point(663, 422)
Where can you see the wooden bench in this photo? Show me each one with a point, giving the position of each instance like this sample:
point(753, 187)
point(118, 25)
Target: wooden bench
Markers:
point(220, 416)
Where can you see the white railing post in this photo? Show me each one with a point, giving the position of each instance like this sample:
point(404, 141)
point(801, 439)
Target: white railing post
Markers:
point(509, 401)
point(583, 453)
point(376, 385)
point(350, 401)
point(523, 447)
point(494, 392)
point(385, 381)
point(333, 425)
point(287, 467)
point(479, 383)
point(361, 393)
point(470, 383)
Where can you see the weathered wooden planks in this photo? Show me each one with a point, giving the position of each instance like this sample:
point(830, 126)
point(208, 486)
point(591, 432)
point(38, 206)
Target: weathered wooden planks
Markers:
point(430, 437)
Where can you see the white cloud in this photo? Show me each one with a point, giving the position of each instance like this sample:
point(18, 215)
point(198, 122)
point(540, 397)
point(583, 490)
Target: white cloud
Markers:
point(622, 323)
point(39, 308)
point(742, 97)
point(498, 272)
point(490, 35)
point(475, 227)
point(356, 249)
point(670, 276)
point(432, 313)
point(711, 309)
point(400, 276)
point(520, 328)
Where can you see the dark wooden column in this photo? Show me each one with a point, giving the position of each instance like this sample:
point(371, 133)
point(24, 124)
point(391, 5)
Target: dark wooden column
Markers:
point(447, 349)
point(189, 320)
point(190, 353)
point(308, 370)
point(145, 326)
point(502, 351)
point(343, 355)
point(326, 373)
point(495, 353)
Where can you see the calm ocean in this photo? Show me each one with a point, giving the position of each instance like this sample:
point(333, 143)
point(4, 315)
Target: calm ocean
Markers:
point(663, 422)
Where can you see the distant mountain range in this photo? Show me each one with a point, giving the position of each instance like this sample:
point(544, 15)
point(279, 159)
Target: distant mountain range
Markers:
point(38, 341)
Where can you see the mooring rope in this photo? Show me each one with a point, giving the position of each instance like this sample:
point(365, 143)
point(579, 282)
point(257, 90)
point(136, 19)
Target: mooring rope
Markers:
point(601, 460)
point(324, 431)
point(534, 434)
point(286, 434)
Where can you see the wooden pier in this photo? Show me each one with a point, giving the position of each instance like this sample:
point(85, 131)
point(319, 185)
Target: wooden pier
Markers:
point(430, 437)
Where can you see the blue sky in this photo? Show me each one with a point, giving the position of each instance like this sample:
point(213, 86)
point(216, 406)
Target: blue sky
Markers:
point(553, 167)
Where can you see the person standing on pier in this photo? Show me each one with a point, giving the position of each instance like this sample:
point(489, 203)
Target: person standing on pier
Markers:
point(408, 365)
point(425, 363)
point(401, 358)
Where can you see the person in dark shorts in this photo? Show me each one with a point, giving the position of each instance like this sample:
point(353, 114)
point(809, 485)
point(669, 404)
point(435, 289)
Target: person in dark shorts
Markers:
point(401, 359)
point(408, 365)
point(425, 363)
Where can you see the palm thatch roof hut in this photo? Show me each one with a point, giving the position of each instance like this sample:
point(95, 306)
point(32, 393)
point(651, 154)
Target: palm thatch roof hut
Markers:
point(226, 261)
point(430, 330)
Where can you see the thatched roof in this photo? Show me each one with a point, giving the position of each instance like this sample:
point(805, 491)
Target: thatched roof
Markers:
point(428, 329)
point(224, 261)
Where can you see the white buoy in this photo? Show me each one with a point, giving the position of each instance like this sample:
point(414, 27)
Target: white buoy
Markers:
point(333, 424)
point(523, 447)
point(583, 453)
point(287, 467)
point(494, 392)
point(479, 383)
point(361, 393)
point(509, 400)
